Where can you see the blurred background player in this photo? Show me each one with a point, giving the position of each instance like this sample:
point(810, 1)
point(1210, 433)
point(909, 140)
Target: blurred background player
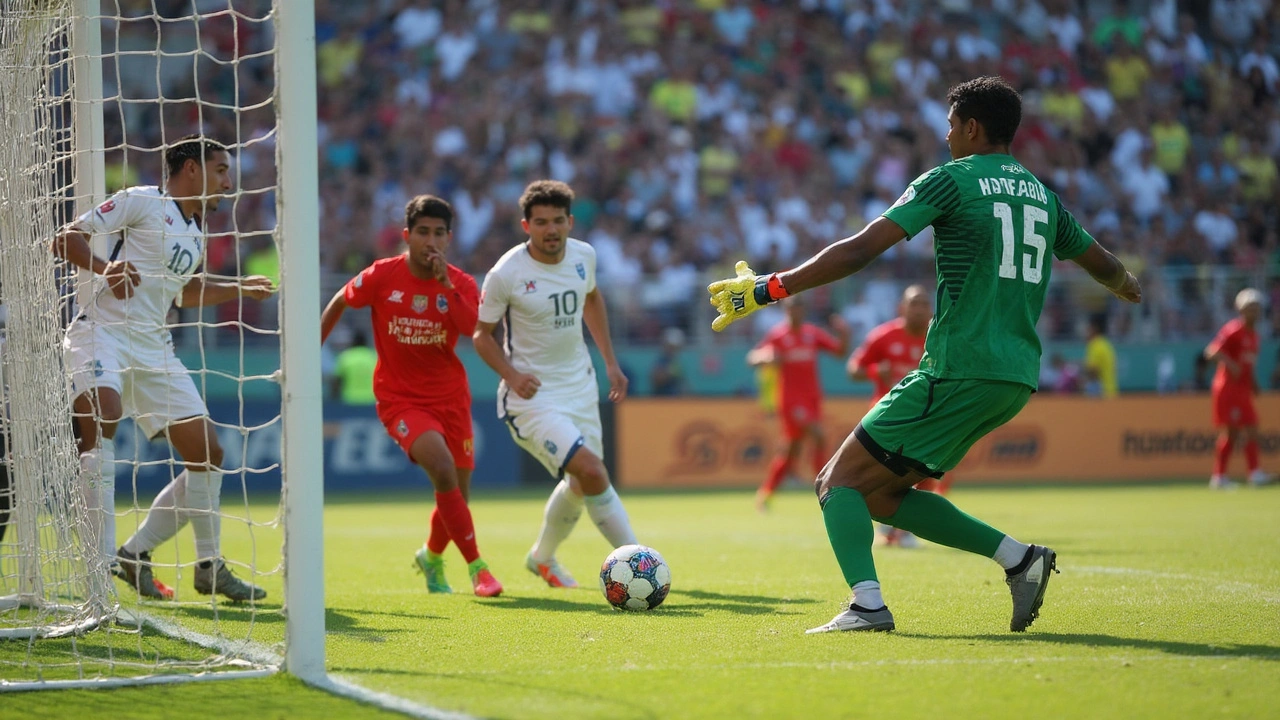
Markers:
point(792, 346)
point(1235, 350)
point(887, 354)
point(543, 290)
point(1100, 360)
point(353, 372)
point(420, 306)
point(119, 353)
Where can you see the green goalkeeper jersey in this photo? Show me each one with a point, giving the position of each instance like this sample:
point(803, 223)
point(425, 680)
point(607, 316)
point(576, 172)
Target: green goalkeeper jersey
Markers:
point(994, 225)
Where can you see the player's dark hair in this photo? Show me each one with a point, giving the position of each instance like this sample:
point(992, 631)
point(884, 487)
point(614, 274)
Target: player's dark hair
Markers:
point(428, 206)
point(992, 102)
point(546, 192)
point(191, 147)
point(1098, 323)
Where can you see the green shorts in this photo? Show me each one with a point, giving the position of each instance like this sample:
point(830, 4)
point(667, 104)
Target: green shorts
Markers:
point(927, 424)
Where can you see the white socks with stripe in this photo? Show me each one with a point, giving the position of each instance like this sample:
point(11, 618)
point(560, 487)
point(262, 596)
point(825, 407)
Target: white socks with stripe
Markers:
point(607, 513)
point(193, 497)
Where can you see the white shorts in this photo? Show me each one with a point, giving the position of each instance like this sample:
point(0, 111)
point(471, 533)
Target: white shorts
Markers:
point(554, 435)
point(155, 387)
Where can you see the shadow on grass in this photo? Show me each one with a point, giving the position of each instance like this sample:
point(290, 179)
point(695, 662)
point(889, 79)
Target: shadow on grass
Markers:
point(745, 599)
point(337, 622)
point(676, 605)
point(1099, 641)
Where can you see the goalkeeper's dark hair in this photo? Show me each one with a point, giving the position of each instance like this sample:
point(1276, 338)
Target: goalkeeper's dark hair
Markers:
point(428, 206)
point(191, 147)
point(546, 192)
point(992, 102)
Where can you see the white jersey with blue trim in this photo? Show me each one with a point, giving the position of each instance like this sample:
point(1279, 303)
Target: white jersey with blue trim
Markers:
point(165, 247)
point(540, 305)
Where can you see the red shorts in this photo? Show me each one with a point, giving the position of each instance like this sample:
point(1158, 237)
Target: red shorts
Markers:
point(407, 423)
point(1234, 408)
point(797, 417)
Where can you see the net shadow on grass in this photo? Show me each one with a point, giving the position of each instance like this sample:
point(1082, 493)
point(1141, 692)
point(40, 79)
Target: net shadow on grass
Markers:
point(1099, 641)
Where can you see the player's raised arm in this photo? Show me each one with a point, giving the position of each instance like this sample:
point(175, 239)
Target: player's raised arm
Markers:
point(597, 319)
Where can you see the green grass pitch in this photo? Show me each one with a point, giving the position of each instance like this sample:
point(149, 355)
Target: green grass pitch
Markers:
point(1168, 605)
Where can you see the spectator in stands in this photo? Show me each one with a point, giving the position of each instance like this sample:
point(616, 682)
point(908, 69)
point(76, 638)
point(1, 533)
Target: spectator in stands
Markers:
point(667, 378)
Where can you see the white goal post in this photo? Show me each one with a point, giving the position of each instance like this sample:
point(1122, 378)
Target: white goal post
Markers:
point(74, 127)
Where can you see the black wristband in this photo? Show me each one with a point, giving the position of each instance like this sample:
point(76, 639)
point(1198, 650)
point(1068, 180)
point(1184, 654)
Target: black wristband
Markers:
point(762, 290)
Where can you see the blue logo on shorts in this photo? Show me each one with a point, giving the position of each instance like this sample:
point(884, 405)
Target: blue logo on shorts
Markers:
point(550, 446)
point(97, 368)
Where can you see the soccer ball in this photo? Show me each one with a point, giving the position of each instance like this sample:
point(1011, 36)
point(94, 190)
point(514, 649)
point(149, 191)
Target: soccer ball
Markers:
point(635, 577)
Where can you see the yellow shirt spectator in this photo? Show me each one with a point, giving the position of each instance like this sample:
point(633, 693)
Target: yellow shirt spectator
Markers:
point(1100, 361)
point(265, 261)
point(718, 165)
point(1258, 176)
point(353, 375)
point(529, 21)
point(338, 58)
point(767, 385)
point(642, 24)
point(881, 55)
point(1172, 142)
point(1125, 76)
point(677, 99)
point(1065, 107)
point(856, 87)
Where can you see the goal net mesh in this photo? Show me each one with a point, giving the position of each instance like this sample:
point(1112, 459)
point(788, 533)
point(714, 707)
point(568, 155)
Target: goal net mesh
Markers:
point(166, 69)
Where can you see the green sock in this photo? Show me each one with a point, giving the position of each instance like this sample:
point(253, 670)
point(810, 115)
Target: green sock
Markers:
point(849, 528)
point(934, 518)
point(476, 566)
point(434, 558)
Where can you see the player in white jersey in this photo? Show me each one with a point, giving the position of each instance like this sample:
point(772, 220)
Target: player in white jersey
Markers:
point(119, 354)
point(543, 290)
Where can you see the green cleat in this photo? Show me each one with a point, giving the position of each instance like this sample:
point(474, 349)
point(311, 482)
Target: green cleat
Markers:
point(432, 566)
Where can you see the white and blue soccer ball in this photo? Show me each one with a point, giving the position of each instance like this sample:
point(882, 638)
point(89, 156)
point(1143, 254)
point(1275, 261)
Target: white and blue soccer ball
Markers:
point(635, 577)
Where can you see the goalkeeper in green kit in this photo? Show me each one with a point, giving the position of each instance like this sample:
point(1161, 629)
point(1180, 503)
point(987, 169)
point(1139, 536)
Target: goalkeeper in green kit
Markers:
point(996, 230)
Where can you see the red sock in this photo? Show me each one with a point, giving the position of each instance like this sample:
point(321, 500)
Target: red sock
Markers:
point(928, 485)
point(439, 538)
point(1251, 454)
point(777, 473)
point(457, 521)
point(819, 457)
point(1221, 455)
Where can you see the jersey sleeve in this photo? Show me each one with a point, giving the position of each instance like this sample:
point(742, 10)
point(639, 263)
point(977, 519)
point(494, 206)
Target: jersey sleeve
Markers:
point(118, 212)
point(1071, 239)
point(495, 296)
point(1227, 342)
point(362, 288)
point(930, 197)
point(468, 308)
point(825, 340)
point(591, 267)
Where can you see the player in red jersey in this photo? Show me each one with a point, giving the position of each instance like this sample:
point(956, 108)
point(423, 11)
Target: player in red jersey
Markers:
point(1235, 349)
point(420, 305)
point(793, 345)
point(887, 354)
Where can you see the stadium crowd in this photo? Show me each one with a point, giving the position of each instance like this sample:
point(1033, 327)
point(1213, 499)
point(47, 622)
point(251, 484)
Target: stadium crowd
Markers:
point(702, 131)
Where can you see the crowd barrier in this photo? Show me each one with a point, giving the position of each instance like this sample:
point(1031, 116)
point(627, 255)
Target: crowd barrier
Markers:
point(669, 443)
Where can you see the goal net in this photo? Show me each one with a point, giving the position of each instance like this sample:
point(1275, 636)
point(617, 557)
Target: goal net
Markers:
point(92, 94)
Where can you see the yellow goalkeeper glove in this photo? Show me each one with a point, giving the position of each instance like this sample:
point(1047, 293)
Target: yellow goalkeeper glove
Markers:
point(740, 296)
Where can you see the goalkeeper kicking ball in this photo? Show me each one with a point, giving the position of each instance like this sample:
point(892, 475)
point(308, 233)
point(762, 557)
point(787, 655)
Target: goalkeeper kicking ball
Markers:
point(635, 577)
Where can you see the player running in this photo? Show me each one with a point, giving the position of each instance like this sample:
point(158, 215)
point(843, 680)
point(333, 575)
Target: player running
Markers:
point(119, 354)
point(543, 290)
point(1235, 349)
point(887, 354)
point(793, 346)
point(420, 305)
point(994, 227)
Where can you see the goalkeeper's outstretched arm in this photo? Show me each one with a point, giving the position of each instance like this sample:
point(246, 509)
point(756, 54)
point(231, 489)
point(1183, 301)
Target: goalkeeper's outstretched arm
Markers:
point(844, 257)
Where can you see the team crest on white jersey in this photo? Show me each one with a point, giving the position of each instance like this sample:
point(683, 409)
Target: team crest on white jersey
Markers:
point(582, 271)
point(530, 286)
point(420, 303)
point(442, 303)
point(397, 296)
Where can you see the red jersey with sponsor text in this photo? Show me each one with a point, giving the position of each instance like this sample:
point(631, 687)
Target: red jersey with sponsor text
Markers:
point(796, 351)
point(416, 325)
point(889, 342)
point(1238, 342)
